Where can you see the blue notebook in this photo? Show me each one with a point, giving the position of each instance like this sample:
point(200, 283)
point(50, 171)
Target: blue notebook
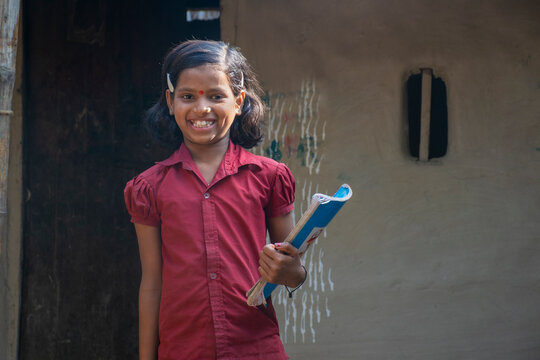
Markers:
point(321, 211)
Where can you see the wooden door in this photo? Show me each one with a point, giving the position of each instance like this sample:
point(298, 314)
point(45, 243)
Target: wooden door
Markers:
point(91, 69)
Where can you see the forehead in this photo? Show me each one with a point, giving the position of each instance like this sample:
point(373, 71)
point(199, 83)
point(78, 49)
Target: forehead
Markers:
point(204, 76)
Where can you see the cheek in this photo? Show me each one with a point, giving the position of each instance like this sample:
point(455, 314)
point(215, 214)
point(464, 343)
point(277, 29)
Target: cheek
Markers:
point(232, 119)
point(177, 110)
point(177, 120)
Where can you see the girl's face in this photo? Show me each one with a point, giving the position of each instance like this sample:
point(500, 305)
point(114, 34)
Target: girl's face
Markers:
point(204, 105)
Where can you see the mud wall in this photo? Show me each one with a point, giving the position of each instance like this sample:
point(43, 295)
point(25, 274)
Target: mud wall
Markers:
point(430, 259)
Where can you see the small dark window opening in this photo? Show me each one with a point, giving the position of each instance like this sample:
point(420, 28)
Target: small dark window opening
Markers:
point(438, 117)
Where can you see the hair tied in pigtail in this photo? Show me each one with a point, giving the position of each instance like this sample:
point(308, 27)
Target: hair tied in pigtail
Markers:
point(169, 83)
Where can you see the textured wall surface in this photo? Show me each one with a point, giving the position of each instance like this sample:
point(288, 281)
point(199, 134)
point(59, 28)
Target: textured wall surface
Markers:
point(429, 260)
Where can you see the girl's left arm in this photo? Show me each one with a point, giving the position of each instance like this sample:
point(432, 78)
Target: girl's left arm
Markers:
point(279, 263)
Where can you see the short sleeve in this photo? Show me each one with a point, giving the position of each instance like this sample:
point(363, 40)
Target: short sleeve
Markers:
point(282, 198)
point(141, 202)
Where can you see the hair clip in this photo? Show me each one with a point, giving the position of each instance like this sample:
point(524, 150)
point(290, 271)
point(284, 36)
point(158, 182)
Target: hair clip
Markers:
point(242, 80)
point(169, 83)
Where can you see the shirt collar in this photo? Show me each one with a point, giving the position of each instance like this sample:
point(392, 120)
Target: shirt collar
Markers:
point(234, 158)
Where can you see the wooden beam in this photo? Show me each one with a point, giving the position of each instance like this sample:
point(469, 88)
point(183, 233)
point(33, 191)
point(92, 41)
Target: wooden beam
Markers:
point(425, 115)
point(9, 13)
point(9, 268)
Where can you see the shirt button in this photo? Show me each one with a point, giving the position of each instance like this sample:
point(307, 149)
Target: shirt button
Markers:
point(213, 276)
point(206, 195)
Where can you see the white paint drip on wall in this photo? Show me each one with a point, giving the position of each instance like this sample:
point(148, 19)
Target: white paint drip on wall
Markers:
point(318, 168)
point(321, 273)
point(313, 274)
point(312, 163)
point(312, 280)
point(276, 132)
point(294, 217)
point(303, 319)
point(311, 100)
point(306, 93)
point(326, 308)
point(310, 194)
point(311, 319)
point(300, 113)
point(283, 134)
point(287, 312)
point(304, 190)
point(318, 311)
point(314, 135)
point(293, 306)
point(310, 118)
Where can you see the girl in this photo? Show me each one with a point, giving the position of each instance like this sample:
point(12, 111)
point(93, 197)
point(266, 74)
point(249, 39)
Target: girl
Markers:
point(201, 215)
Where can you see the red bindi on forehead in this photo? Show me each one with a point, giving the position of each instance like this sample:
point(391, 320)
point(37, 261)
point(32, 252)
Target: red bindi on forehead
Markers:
point(201, 92)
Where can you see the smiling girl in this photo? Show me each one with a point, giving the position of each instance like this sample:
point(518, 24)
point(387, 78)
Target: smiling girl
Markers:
point(202, 215)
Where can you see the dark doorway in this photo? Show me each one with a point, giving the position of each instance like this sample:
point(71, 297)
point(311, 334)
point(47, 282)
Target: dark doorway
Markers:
point(91, 69)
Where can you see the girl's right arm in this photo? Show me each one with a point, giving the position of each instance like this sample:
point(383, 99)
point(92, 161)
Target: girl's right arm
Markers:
point(149, 238)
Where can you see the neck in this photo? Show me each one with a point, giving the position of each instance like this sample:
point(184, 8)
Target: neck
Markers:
point(208, 157)
point(208, 154)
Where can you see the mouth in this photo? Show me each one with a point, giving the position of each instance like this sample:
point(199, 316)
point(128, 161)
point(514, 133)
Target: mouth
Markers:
point(202, 124)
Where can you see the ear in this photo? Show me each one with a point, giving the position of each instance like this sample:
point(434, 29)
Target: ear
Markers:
point(240, 101)
point(170, 101)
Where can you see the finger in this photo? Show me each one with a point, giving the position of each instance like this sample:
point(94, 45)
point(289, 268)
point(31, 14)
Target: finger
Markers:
point(265, 262)
point(286, 248)
point(269, 250)
point(275, 259)
point(266, 275)
point(268, 255)
point(263, 273)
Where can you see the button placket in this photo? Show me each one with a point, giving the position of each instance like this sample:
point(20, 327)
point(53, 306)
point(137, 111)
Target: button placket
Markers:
point(213, 271)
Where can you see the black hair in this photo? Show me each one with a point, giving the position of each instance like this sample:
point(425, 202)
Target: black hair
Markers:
point(246, 129)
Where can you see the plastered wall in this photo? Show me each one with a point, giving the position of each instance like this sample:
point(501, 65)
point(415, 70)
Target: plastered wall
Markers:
point(429, 260)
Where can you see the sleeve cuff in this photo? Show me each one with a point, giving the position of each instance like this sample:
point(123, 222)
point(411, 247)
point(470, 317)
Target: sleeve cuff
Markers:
point(143, 221)
point(281, 211)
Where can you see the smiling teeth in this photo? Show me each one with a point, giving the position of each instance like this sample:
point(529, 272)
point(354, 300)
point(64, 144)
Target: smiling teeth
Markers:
point(202, 124)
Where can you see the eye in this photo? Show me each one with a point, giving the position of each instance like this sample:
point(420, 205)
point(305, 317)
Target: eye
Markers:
point(186, 96)
point(218, 97)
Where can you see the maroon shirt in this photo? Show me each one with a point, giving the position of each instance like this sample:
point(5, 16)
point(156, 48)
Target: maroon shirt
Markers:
point(211, 238)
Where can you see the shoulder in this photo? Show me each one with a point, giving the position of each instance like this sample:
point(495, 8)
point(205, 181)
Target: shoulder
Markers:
point(262, 162)
point(277, 167)
point(153, 173)
point(141, 199)
point(151, 177)
point(273, 170)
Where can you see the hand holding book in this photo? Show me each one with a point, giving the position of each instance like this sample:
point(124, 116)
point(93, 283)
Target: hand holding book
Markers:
point(280, 263)
point(321, 211)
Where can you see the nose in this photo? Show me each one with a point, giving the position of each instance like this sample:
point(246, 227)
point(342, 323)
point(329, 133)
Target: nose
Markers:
point(202, 107)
